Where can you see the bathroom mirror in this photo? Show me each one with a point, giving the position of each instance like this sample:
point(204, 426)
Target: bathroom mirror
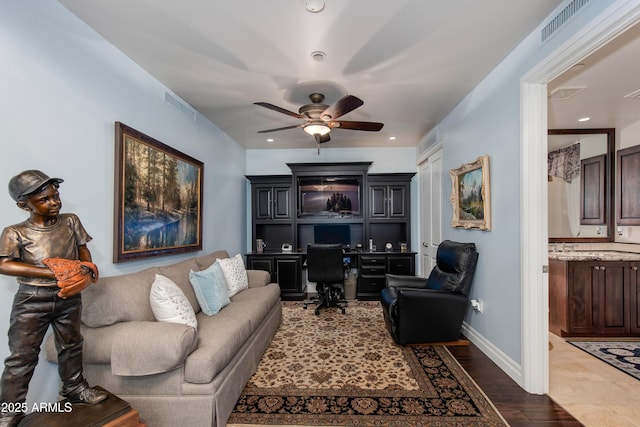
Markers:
point(581, 185)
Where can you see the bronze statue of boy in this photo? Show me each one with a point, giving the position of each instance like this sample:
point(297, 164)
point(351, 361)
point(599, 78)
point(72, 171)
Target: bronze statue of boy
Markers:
point(38, 303)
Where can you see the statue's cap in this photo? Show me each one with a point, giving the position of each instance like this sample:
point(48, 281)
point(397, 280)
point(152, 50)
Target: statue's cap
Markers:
point(27, 182)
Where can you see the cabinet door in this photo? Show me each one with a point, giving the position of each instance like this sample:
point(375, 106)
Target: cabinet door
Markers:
point(272, 202)
point(582, 298)
point(261, 263)
point(634, 298)
point(263, 202)
point(288, 271)
point(282, 202)
point(397, 201)
point(613, 299)
point(378, 201)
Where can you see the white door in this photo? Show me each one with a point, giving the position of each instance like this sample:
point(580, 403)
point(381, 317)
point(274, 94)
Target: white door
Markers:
point(430, 210)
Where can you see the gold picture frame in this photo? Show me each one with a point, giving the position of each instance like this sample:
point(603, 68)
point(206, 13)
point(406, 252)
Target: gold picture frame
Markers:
point(471, 195)
point(158, 198)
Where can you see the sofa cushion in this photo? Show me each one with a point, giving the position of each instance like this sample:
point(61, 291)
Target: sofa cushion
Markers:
point(146, 348)
point(179, 274)
point(118, 299)
point(210, 287)
point(205, 261)
point(235, 274)
point(169, 304)
point(220, 338)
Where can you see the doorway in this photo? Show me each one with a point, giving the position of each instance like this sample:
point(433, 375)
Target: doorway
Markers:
point(534, 203)
point(431, 175)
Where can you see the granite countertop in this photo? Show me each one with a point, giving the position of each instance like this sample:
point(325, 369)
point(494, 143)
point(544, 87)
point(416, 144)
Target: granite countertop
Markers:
point(595, 256)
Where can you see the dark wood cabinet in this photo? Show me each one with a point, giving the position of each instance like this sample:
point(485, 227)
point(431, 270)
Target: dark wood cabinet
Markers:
point(372, 268)
point(271, 208)
point(285, 270)
point(389, 196)
point(272, 201)
point(593, 298)
point(382, 213)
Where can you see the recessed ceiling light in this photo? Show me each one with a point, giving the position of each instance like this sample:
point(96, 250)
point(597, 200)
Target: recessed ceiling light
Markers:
point(392, 138)
point(584, 119)
point(270, 140)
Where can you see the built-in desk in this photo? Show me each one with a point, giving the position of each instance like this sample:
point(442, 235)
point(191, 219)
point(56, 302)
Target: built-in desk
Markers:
point(286, 269)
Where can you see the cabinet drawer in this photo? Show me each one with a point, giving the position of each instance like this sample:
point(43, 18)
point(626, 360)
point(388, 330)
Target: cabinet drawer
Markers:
point(400, 265)
point(371, 284)
point(372, 260)
point(373, 270)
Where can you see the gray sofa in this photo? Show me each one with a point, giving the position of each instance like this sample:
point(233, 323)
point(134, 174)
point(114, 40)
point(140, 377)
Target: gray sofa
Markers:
point(171, 373)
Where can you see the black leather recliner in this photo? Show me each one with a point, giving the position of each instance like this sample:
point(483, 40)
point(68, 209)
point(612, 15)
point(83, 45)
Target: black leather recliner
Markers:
point(418, 310)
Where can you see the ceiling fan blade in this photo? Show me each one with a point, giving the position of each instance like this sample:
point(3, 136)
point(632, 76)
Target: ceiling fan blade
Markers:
point(277, 129)
point(342, 107)
point(279, 109)
point(368, 126)
point(322, 138)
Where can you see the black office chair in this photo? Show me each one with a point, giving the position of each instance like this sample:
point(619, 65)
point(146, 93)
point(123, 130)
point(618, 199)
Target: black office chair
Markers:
point(325, 266)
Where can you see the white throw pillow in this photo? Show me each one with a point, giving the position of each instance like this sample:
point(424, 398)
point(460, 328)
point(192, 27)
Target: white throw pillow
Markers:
point(169, 304)
point(235, 274)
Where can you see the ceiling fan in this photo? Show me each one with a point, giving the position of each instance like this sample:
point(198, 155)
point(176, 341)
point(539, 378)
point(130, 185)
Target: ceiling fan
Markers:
point(319, 118)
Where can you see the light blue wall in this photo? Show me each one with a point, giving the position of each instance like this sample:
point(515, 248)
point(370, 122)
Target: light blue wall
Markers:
point(63, 87)
point(487, 121)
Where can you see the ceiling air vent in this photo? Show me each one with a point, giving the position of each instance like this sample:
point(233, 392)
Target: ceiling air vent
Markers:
point(565, 93)
point(562, 17)
point(634, 94)
point(180, 105)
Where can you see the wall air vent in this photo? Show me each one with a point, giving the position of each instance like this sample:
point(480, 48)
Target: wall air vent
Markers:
point(634, 94)
point(565, 93)
point(561, 18)
point(180, 105)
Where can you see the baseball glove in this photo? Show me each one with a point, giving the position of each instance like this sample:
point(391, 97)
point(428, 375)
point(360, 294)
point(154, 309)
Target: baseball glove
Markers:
point(73, 275)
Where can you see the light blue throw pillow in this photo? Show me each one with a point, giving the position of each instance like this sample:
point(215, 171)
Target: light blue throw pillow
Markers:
point(210, 287)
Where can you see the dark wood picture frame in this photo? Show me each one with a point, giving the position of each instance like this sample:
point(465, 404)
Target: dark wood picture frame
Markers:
point(158, 198)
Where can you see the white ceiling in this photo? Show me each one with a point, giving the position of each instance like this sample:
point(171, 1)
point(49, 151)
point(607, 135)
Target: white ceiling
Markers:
point(604, 79)
point(410, 61)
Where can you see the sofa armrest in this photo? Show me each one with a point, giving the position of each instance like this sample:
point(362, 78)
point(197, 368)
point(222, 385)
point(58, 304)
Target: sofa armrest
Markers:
point(145, 348)
point(258, 278)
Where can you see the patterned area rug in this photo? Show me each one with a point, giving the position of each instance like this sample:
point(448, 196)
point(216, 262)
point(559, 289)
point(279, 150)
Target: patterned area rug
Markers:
point(345, 370)
point(624, 355)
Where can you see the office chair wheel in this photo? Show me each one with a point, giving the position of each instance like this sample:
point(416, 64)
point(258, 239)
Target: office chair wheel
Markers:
point(317, 311)
point(344, 311)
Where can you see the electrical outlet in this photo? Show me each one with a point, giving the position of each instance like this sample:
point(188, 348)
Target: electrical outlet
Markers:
point(477, 305)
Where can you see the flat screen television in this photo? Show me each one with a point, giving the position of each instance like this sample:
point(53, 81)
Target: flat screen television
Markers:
point(321, 196)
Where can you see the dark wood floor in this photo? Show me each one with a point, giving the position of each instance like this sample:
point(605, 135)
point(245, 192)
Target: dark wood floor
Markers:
point(518, 407)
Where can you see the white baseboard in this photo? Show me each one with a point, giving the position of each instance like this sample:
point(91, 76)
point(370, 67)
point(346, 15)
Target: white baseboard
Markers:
point(504, 362)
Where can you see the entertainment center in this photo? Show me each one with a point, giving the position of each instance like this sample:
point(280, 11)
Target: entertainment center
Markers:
point(332, 203)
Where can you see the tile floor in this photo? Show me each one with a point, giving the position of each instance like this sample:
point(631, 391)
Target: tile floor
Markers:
point(594, 392)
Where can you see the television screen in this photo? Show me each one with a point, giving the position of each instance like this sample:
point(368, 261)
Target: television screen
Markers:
point(329, 196)
point(332, 233)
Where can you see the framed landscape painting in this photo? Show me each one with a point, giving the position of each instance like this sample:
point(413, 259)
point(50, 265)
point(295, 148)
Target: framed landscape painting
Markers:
point(158, 198)
point(470, 195)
